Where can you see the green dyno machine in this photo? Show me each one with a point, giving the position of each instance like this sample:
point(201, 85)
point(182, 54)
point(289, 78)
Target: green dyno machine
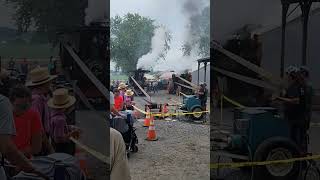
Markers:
point(191, 103)
point(254, 125)
point(260, 134)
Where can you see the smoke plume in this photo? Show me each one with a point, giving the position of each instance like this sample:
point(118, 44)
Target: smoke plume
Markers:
point(192, 8)
point(157, 48)
point(175, 59)
point(96, 11)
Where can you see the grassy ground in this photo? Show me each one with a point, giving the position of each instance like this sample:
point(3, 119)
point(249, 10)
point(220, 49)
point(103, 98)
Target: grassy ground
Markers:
point(118, 77)
point(32, 51)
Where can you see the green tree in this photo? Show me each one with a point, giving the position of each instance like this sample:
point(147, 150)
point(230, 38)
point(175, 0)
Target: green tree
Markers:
point(48, 16)
point(200, 34)
point(131, 37)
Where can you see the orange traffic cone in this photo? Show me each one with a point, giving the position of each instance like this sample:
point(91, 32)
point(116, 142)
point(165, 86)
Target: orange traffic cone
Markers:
point(147, 119)
point(151, 136)
point(81, 156)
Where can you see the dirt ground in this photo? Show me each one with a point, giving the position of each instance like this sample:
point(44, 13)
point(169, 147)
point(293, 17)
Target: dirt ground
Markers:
point(181, 153)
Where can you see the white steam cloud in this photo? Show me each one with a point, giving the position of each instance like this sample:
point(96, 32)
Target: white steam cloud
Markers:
point(149, 60)
point(96, 11)
point(175, 59)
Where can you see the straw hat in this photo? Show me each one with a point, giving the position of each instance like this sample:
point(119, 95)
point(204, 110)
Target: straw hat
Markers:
point(129, 92)
point(122, 86)
point(38, 76)
point(61, 99)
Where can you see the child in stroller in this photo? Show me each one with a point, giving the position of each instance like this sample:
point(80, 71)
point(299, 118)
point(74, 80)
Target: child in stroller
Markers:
point(127, 130)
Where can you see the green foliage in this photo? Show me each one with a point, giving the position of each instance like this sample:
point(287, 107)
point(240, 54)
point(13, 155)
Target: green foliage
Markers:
point(27, 50)
point(200, 33)
point(131, 37)
point(48, 16)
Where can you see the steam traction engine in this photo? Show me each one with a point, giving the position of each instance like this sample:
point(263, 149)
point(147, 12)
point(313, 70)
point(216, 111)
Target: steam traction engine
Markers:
point(138, 75)
point(90, 43)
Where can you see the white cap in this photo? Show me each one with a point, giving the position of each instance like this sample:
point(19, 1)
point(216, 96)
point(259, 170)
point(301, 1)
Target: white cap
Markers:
point(291, 69)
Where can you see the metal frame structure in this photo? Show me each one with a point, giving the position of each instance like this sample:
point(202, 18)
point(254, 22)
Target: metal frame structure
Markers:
point(205, 61)
point(305, 6)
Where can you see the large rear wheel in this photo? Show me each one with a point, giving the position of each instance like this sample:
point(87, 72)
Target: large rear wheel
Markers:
point(199, 115)
point(277, 148)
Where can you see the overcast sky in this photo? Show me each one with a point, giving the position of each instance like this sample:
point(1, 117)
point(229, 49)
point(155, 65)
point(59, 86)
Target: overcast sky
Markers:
point(166, 12)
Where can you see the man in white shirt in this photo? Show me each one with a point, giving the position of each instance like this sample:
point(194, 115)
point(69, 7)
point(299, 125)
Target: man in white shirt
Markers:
point(119, 162)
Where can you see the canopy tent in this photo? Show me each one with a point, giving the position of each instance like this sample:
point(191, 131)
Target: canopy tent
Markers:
point(167, 75)
point(150, 77)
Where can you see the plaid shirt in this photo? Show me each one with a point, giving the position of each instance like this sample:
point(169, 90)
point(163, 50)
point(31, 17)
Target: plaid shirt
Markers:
point(58, 126)
point(39, 104)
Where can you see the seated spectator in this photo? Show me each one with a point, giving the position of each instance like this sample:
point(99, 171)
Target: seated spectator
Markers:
point(122, 88)
point(29, 130)
point(118, 100)
point(7, 147)
point(61, 104)
point(129, 100)
point(40, 84)
point(119, 162)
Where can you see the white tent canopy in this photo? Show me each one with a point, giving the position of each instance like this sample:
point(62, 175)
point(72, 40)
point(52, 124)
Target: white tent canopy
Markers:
point(150, 77)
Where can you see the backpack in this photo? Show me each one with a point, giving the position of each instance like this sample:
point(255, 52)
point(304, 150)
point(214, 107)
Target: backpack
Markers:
point(57, 166)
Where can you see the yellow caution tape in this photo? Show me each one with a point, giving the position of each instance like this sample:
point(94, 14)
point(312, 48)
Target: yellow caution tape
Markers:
point(262, 163)
point(94, 153)
point(183, 94)
point(177, 114)
point(142, 111)
point(169, 114)
point(315, 124)
point(233, 102)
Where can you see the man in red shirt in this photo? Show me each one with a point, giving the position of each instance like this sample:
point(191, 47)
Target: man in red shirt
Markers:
point(28, 138)
point(118, 100)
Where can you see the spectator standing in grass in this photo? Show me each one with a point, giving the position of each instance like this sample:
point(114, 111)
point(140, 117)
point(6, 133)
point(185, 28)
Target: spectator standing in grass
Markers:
point(11, 64)
point(24, 67)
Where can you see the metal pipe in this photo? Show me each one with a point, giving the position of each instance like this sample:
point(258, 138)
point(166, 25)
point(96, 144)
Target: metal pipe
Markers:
point(198, 72)
point(285, 7)
point(305, 8)
point(205, 72)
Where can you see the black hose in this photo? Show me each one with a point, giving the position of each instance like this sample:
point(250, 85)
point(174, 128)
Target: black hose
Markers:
point(305, 174)
point(250, 154)
point(218, 169)
point(311, 163)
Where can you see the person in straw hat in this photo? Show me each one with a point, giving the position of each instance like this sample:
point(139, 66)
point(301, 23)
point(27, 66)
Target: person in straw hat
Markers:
point(122, 88)
point(61, 105)
point(129, 100)
point(40, 85)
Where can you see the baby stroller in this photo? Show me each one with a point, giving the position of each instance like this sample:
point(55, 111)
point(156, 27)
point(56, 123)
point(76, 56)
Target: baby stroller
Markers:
point(127, 130)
